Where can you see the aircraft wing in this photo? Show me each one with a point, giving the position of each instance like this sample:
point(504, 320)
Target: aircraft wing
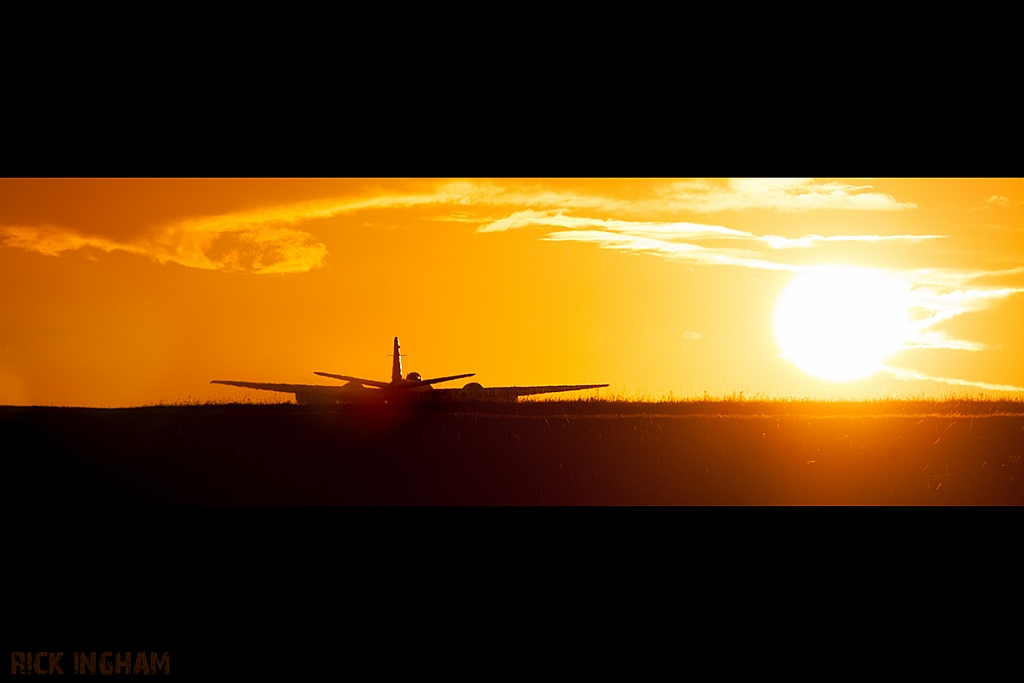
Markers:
point(435, 380)
point(475, 392)
point(502, 393)
point(269, 386)
point(318, 393)
point(367, 382)
point(311, 393)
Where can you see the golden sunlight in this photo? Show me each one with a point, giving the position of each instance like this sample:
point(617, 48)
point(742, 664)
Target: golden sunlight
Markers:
point(839, 323)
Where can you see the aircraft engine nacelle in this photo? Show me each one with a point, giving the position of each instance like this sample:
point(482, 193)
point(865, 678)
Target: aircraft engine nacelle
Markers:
point(473, 391)
point(414, 377)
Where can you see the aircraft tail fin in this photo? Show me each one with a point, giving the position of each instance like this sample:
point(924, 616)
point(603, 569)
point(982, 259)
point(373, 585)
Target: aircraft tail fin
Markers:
point(396, 364)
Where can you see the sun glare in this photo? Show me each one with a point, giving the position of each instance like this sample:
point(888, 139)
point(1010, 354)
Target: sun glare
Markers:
point(839, 323)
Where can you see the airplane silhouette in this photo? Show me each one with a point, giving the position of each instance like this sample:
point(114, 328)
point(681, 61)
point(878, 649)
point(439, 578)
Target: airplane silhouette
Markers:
point(408, 387)
point(412, 381)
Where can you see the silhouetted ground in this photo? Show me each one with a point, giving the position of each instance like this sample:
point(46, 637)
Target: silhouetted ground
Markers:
point(573, 452)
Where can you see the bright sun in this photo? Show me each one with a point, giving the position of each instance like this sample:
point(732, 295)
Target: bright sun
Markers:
point(839, 323)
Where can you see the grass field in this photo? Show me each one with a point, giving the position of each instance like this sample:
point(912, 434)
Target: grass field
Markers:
point(589, 452)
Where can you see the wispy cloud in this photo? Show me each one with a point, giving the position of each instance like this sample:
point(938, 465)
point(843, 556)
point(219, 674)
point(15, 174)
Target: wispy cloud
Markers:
point(559, 218)
point(929, 339)
point(931, 304)
point(265, 240)
point(52, 240)
point(684, 252)
point(908, 375)
point(780, 194)
point(776, 242)
point(274, 239)
point(942, 303)
point(999, 201)
point(787, 195)
point(699, 196)
point(956, 278)
point(676, 240)
point(259, 248)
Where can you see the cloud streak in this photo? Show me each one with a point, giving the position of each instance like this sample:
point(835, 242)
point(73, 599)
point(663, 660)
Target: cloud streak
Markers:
point(909, 375)
point(932, 303)
point(249, 248)
point(261, 241)
point(273, 239)
point(676, 240)
point(789, 195)
point(684, 252)
point(1001, 202)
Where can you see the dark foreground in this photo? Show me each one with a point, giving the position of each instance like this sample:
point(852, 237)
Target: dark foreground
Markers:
point(534, 454)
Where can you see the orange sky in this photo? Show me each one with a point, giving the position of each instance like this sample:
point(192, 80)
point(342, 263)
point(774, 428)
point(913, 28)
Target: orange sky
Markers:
point(130, 292)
